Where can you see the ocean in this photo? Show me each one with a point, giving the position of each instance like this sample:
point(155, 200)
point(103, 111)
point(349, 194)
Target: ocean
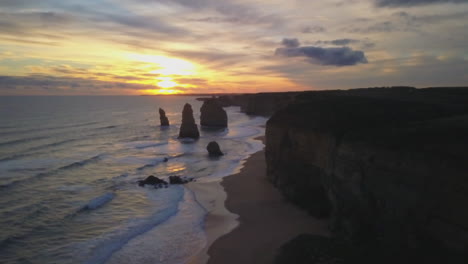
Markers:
point(69, 168)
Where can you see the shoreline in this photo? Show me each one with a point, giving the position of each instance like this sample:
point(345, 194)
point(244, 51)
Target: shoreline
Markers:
point(251, 220)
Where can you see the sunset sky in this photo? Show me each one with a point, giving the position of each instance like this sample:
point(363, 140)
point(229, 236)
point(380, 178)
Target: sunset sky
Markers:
point(118, 47)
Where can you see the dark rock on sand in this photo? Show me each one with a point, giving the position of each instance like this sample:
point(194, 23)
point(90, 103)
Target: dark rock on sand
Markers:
point(163, 118)
point(152, 180)
point(188, 129)
point(213, 115)
point(179, 180)
point(213, 149)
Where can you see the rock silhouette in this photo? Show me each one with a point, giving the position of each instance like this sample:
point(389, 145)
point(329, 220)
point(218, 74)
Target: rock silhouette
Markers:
point(163, 118)
point(212, 114)
point(405, 149)
point(179, 180)
point(152, 180)
point(188, 129)
point(213, 149)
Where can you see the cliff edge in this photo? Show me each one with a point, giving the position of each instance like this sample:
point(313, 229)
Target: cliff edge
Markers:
point(386, 171)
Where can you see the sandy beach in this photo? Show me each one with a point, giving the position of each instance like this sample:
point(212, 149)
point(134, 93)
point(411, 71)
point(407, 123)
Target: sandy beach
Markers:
point(266, 220)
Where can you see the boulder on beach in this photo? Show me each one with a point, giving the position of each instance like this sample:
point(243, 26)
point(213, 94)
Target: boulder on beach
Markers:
point(163, 118)
point(188, 129)
point(213, 149)
point(152, 180)
point(213, 115)
point(179, 180)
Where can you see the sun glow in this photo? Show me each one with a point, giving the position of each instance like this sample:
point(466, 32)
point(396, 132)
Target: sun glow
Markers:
point(166, 82)
point(166, 65)
point(161, 91)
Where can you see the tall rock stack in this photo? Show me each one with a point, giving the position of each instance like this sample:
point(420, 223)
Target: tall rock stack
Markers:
point(188, 129)
point(163, 117)
point(213, 115)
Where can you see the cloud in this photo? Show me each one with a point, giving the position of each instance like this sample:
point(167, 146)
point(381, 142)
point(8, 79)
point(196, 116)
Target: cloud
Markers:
point(64, 85)
point(399, 3)
point(314, 29)
point(337, 42)
point(364, 44)
point(343, 56)
point(290, 43)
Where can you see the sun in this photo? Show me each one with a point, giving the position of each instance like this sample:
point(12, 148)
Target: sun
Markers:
point(167, 84)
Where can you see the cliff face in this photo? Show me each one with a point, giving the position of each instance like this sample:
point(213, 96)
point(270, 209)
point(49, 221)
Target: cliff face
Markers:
point(385, 171)
point(258, 104)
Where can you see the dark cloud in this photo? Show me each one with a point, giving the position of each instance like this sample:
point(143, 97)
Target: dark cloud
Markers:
point(343, 56)
point(399, 3)
point(290, 43)
point(365, 44)
point(60, 84)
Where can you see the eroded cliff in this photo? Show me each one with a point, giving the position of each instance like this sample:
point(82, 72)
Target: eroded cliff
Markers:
point(386, 171)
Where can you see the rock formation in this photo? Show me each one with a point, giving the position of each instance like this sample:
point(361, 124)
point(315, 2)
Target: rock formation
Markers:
point(188, 129)
point(388, 172)
point(213, 115)
point(163, 117)
point(179, 180)
point(152, 180)
point(213, 149)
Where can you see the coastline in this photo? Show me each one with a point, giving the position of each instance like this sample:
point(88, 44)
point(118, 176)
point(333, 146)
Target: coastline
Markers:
point(252, 220)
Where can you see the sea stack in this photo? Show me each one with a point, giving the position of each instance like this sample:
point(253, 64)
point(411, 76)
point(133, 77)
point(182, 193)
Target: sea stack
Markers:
point(213, 115)
point(213, 149)
point(163, 117)
point(188, 129)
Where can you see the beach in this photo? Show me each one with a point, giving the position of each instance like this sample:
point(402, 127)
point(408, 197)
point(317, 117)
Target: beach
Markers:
point(265, 219)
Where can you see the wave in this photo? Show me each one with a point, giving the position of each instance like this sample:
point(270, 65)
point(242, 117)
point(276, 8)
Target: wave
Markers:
point(73, 165)
point(106, 127)
point(137, 138)
point(98, 201)
point(26, 153)
point(149, 145)
point(80, 163)
point(109, 245)
point(45, 128)
point(55, 144)
point(19, 141)
point(16, 156)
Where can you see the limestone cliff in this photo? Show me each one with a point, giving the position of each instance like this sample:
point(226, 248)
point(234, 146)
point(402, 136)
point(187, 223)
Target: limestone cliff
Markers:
point(188, 128)
point(385, 171)
point(213, 115)
point(163, 118)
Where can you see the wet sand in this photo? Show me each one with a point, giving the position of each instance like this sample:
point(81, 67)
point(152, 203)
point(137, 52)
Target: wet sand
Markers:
point(266, 220)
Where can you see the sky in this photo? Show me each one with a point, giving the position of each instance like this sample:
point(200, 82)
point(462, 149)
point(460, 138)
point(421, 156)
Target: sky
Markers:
point(134, 47)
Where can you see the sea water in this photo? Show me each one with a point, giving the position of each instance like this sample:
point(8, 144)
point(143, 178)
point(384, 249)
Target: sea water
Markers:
point(68, 173)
